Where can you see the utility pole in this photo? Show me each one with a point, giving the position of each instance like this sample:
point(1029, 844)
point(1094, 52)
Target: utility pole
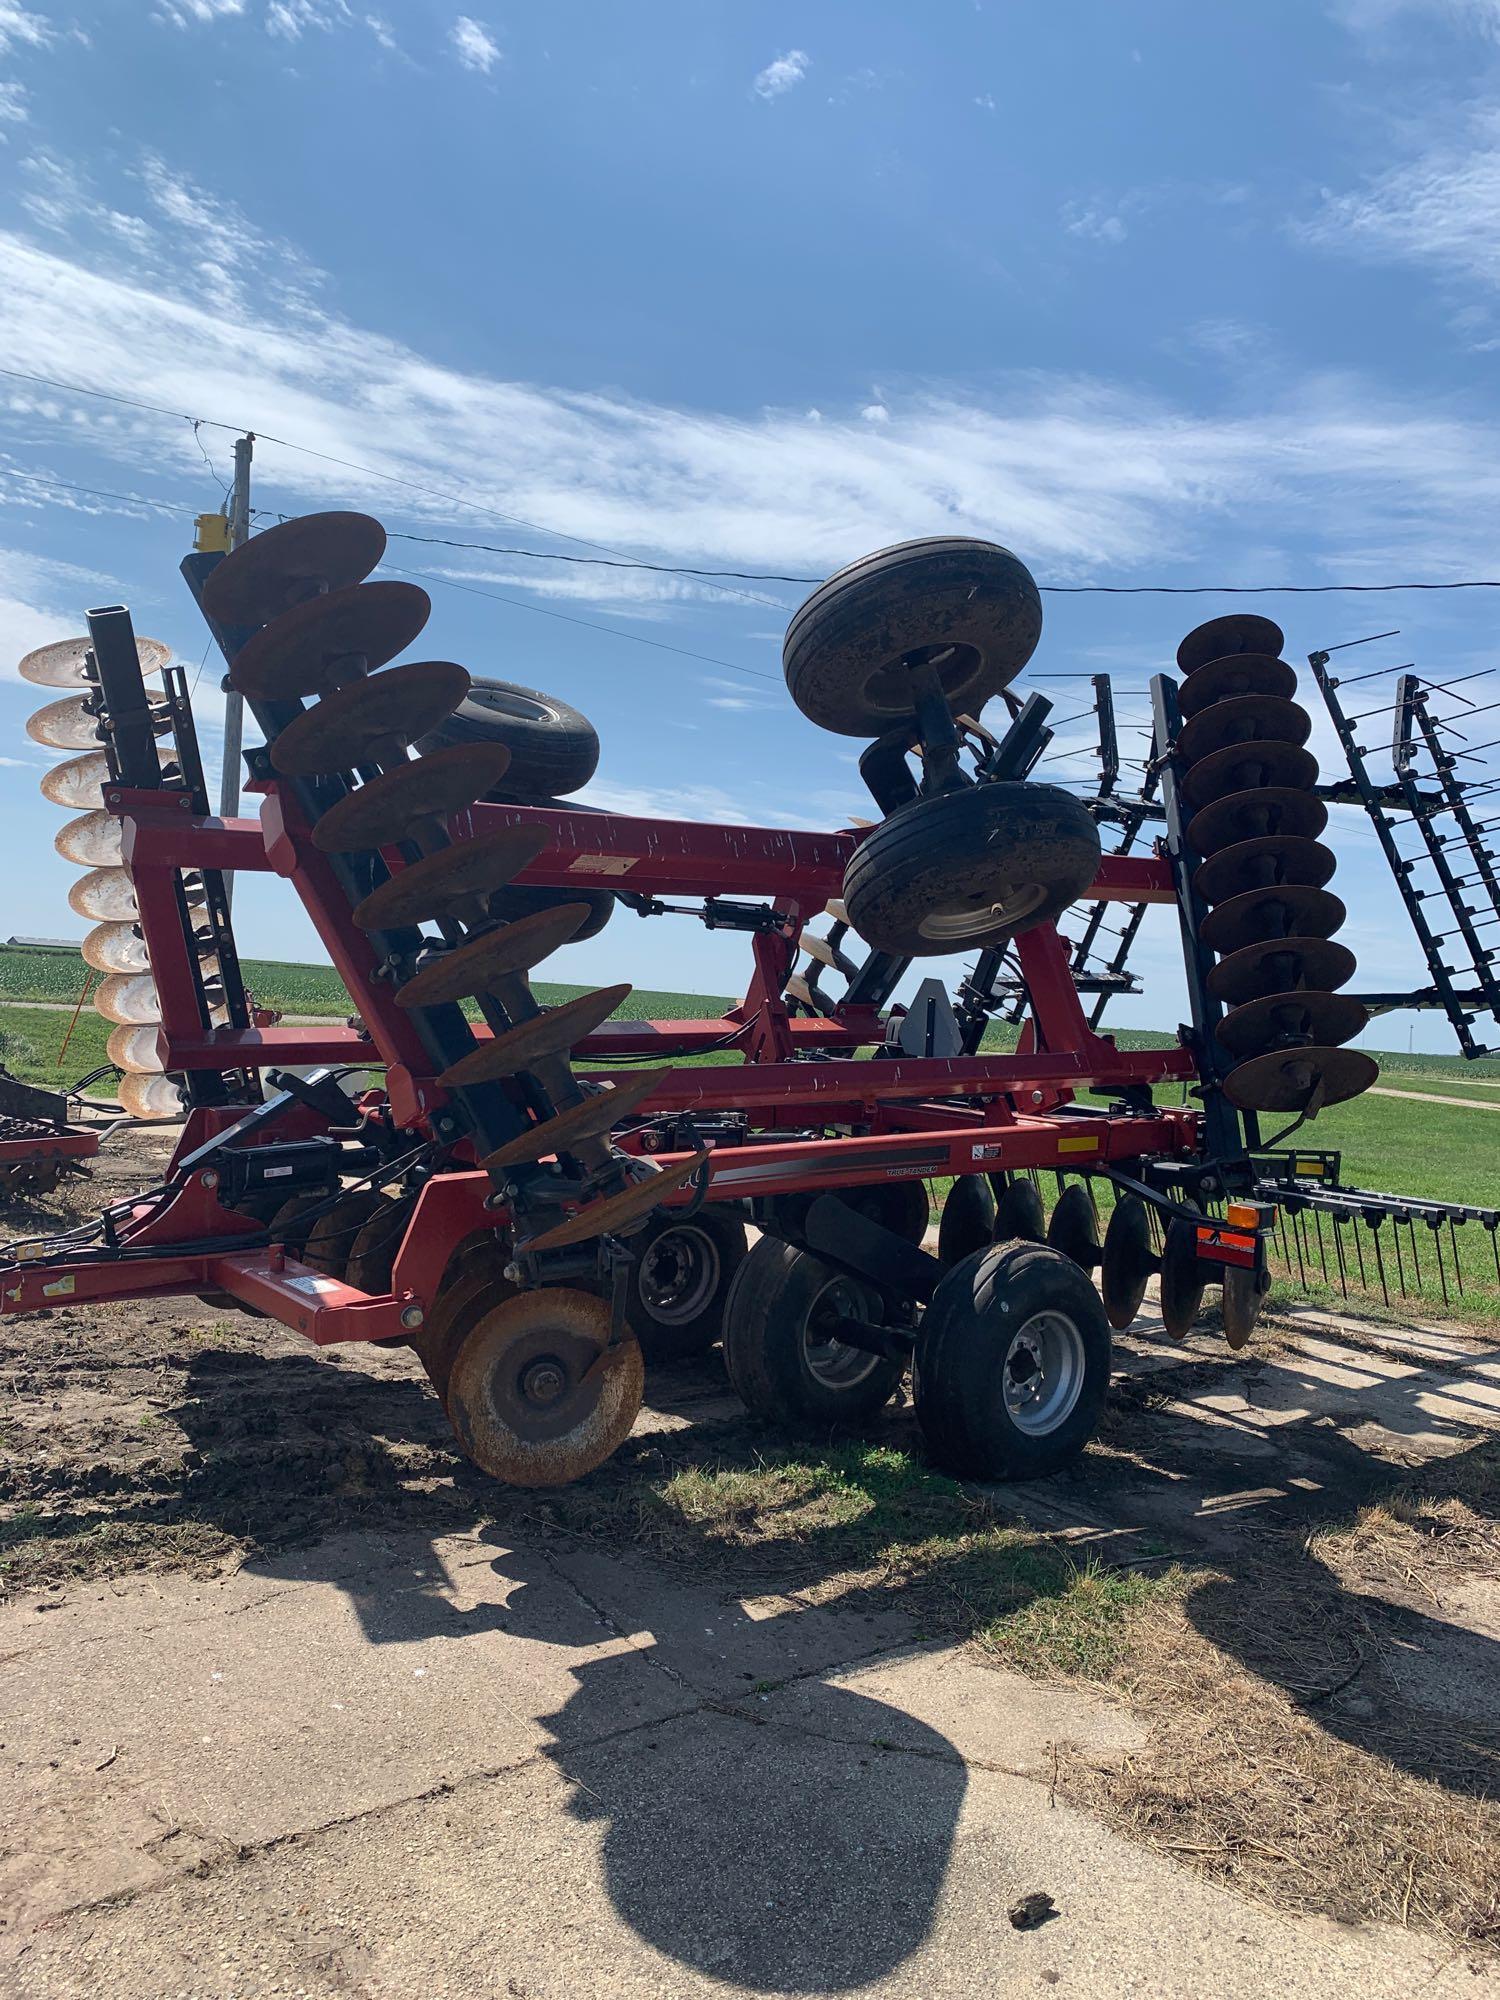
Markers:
point(234, 705)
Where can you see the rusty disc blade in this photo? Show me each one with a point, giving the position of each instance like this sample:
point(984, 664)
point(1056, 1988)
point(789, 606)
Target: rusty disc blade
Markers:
point(439, 884)
point(388, 807)
point(552, 1032)
point(617, 1212)
point(65, 725)
point(290, 563)
point(116, 947)
point(1266, 863)
point(1246, 718)
point(535, 1394)
point(591, 1118)
point(1239, 632)
point(1249, 767)
point(363, 722)
point(1241, 673)
point(61, 665)
point(104, 896)
point(1278, 912)
point(301, 652)
point(93, 840)
point(1283, 1019)
point(1272, 812)
point(473, 967)
point(1293, 1079)
point(1285, 965)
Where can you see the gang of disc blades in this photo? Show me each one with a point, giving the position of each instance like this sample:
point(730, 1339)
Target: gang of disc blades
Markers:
point(1273, 861)
point(1280, 1019)
point(1267, 812)
point(473, 967)
point(617, 1211)
point(1289, 1079)
point(551, 1032)
point(1282, 965)
point(359, 629)
point(441, 884)
point(368, 720)
point(386, 809)
point(1239, 632)
point(591, 1118)
point(1246, 718)
point(61, 665)
point(1277, 912)
point(1244, 767)
point(1241, 673)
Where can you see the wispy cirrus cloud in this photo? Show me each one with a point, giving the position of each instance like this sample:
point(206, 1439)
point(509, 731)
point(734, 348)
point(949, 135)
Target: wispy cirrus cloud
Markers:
point(1082, 475)
point(1440, 208)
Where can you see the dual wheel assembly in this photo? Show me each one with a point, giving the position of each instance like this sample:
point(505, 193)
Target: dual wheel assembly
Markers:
point(950, 621)
point(1009, 1362)
point(1247, 779)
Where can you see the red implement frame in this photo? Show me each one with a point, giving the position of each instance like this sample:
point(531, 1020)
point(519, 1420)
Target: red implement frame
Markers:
point(1012, 1111)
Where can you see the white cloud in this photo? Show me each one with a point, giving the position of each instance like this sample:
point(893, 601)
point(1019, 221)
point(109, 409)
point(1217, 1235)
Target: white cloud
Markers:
point(289, 18)
point(13, 109)
point(1097, 224)
point(1441, 208)
point(183, 13)
point(699, 802)
point(382, 30)
point(474, 45)
point(782, 75)
point(1081, 476)
point(17, 25)
point(875, 413)
point(985, 101)
point(1377, 17)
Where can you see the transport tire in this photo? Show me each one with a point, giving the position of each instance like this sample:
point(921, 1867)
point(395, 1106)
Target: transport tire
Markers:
point(970, 869)
point(1013, 1364)
point(507, 905)
point(781, 1347)
point(969, 606)
point(682, 1277)
point(554, 749)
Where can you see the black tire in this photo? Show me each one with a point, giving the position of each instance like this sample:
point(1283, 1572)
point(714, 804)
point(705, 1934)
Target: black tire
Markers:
point(681, 1279)
point(330, 1241)
point(507, 905)
point(555, 749)
point(779, 1366)
point(968, 1220)
point(970, 869)
point(1010, 1304)
point(972, 601)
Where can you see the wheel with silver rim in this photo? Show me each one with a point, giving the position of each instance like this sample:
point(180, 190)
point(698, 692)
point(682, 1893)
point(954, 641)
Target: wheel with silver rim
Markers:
point(970, 868)
point(1014, 1360)
point(682, 1275)
point(783, 1347)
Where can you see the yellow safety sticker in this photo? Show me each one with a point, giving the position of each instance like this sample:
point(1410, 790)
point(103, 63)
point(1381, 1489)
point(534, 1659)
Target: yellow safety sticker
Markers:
point(1078, 1145)
point(59, 1287)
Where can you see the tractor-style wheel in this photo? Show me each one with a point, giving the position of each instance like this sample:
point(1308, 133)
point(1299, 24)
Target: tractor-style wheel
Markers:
point(682, 1275)
point(970, 869)
point(554, 749)
point(970, 609)
point(536, 1395)
point(782, 1346)
point(1013, 1363)
point(967, 1223)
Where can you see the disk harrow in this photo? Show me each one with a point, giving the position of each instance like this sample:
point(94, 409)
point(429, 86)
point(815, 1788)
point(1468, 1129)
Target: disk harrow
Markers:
point(539, 1199)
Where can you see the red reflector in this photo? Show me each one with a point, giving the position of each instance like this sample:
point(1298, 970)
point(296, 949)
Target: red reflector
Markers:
point(1226, 1246)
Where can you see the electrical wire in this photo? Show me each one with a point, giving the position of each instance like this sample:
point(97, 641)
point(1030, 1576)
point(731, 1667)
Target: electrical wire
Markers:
point(618, 559)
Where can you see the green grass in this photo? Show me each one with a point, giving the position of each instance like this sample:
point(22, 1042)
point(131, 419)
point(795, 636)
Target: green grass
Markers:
point(31, 1037)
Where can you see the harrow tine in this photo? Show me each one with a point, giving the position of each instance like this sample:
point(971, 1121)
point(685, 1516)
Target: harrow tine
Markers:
point(1359, 1251)
point(1297, 1237)
point(1458, 1269)
point(1400, 1268)
point(1338, 1244)
point(1385, 1290)
point(1322, 1252)
point(1416, 1262)
point(1437, 1244)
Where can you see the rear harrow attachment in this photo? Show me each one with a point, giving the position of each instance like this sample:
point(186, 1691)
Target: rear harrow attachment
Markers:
point(539, 1200)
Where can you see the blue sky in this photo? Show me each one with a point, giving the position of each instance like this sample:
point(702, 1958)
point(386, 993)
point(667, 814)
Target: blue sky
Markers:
point(1155, 293)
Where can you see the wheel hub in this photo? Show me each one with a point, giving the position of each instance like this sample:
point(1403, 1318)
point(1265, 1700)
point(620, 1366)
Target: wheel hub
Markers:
point(1043, 1373)
point(544, 1380)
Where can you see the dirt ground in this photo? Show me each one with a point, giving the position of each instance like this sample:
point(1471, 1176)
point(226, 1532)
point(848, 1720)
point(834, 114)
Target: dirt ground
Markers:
point(1286, 1711)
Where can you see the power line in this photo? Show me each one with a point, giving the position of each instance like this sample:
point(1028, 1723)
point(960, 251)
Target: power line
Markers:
point(567, 618)
point(621, 561)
